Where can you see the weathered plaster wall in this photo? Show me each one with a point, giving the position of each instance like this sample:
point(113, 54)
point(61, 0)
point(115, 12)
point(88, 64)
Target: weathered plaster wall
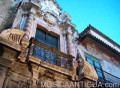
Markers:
point(4, 8)
point(111, 68)
point(109, 62)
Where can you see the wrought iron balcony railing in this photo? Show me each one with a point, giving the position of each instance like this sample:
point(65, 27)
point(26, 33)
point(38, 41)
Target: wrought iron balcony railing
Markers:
point(50, 54)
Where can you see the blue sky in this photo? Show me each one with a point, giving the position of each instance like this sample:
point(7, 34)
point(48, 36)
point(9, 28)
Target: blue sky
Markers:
point(104, 15)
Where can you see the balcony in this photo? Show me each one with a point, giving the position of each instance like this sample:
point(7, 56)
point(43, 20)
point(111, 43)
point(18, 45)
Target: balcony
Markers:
point(50, 55)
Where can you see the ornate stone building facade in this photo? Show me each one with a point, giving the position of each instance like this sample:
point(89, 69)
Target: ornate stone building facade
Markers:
point(39, 45)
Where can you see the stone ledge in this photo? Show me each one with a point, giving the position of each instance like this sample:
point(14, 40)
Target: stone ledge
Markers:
point(50, 66)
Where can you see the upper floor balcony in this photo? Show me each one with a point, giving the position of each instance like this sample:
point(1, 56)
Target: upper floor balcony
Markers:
point(51, 57)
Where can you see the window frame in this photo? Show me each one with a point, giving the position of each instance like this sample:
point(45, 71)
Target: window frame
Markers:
point(57, 46)
point(94, 59)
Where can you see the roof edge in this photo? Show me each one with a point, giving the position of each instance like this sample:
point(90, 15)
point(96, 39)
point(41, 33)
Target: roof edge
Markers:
point(100, 33)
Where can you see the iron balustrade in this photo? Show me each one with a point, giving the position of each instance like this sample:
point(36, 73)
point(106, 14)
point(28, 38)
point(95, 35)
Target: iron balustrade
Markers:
point(50, 54)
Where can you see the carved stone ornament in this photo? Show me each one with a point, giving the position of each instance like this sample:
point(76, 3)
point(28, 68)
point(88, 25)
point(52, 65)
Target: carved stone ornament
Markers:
point(13, 35)
point(50, 19)
point(88, 71)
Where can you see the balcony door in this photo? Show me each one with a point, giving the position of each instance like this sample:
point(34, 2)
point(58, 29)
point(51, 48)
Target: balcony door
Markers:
point(48, 40)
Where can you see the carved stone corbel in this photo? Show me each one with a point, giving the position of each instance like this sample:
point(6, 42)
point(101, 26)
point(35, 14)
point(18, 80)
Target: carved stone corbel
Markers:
point(13, 35)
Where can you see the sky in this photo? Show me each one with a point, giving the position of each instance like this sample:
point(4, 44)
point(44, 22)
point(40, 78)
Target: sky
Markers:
point(104, 15)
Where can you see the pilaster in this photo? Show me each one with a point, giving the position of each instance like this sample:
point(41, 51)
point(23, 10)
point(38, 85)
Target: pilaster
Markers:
point(28, 26)
point(70, 43)
point(29, 10)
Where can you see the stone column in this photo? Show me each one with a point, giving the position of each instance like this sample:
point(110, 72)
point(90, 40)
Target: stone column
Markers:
point(65, 43)
point(28, 26)
point(69, 40)
point(26, 6)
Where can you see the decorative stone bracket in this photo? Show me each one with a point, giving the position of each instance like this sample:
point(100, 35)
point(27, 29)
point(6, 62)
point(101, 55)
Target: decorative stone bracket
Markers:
point(15, 36)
